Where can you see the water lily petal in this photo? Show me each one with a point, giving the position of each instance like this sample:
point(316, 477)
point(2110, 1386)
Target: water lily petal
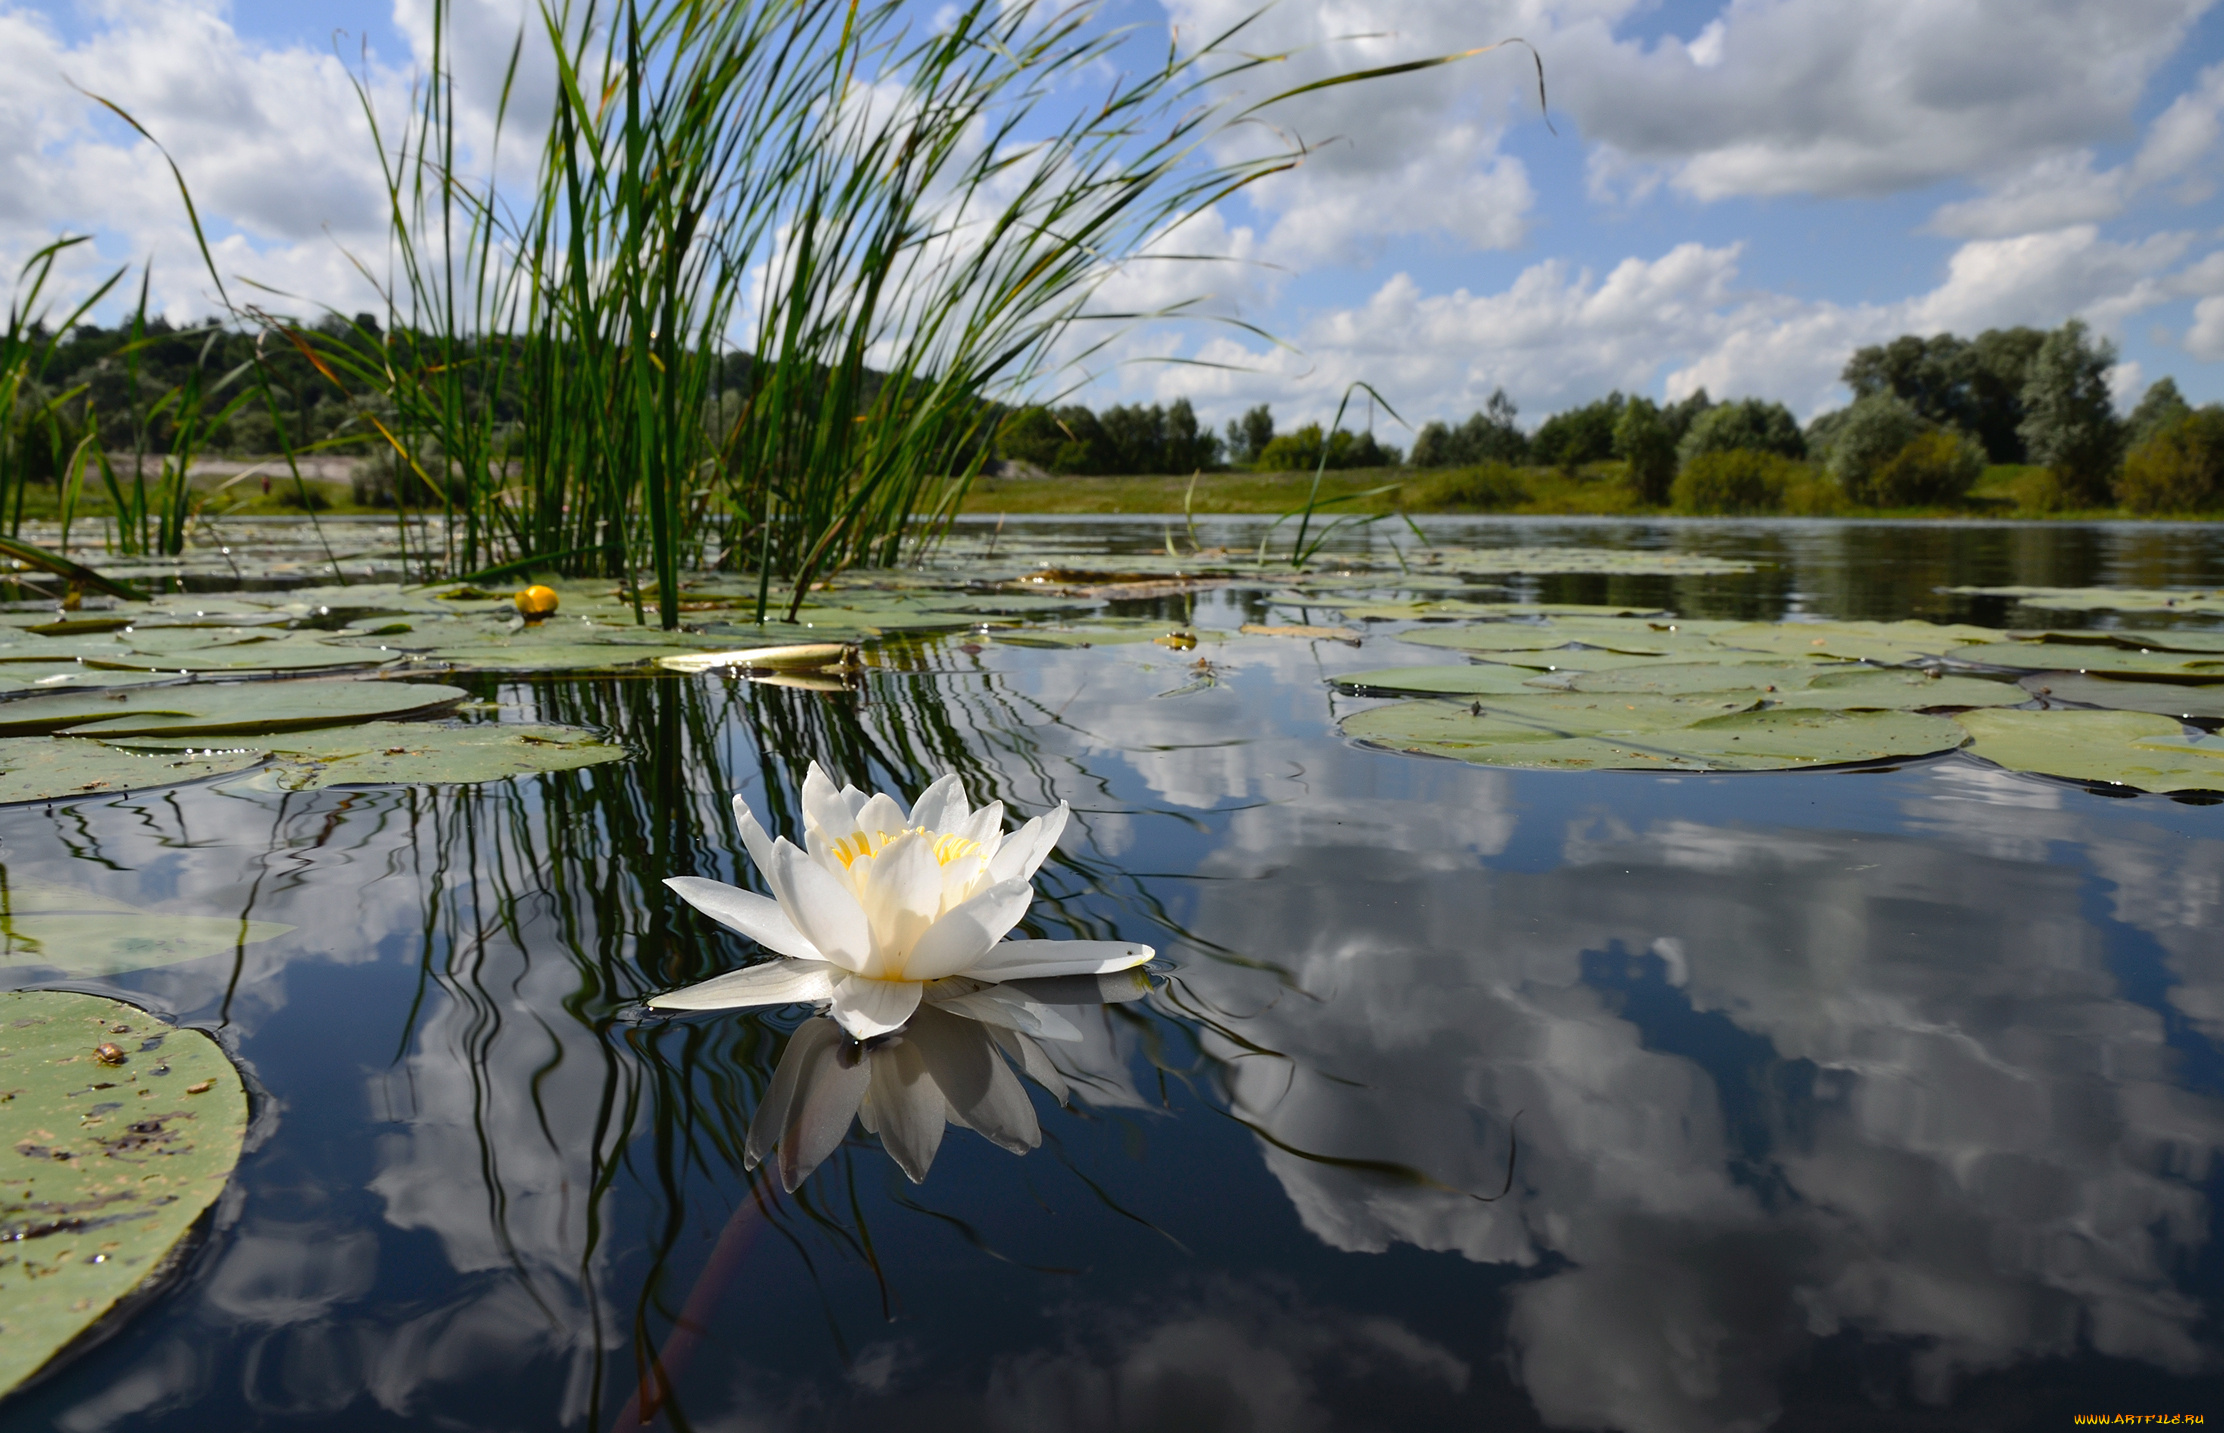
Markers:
point(880, 815)
point(855, 800)
point(998, 1006)
point(754, 916)
point(985, 825)
point(776, 982)
point(827, 818)
point(866, 1007)
point(983, 1092)
point(941, 807)
point(901, 895)
point(1028, 959)
point(1029, 1056)
point(968, 931)
point(1112, 988)
point(752, 835)
point(772, 1111)
point(820, 906)
point(828, 1091)
point(1023, 851)
point(908, 1107)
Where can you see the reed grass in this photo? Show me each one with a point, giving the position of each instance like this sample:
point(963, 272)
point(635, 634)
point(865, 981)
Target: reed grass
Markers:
point(781, 267)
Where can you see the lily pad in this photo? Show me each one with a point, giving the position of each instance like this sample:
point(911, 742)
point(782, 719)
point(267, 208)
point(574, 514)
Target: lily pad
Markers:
point(1887, 642)
point(409, 753)
point(1471, 680)
point(2141, 749)
point(1636, 638)
point(2164, 698)
point(1650, 737)
point(1835, 685)
point(2105, 599)
point(46, 768)
point(104, 1167)
point(2109, 660)
point(211, 708)
point(1454, 607)
point(81, 933)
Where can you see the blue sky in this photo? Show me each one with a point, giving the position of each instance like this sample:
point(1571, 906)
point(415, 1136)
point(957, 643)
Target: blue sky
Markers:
point(1737, 194)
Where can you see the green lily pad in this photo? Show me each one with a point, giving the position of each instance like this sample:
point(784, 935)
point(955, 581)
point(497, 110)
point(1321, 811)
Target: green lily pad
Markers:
point(409, 753)
point(1885, 642)
point(216, 708)
point(2164, 698)
point(1472, 680)
point(206, 652)
point(1656, 734)
point(2108, 660)
point(1454, 607)
point(72, 676)
point(2132, 639)
point(104, 1168)
point(2105, 599)
point(47, 768)
point(2141, 749)
point(1835, 685)
point(1635, 638)
point(80, 933)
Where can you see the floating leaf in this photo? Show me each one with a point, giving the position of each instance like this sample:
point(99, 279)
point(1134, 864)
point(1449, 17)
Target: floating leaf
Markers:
point(408, 753)
point(805, 656)
point(211, 708)
point(47, 768)
point(2109, 660)
point(1633, 637)
point(1472, 680)
point(2150, 752)
point(2165, 698)
point(1650, 734)
point(79, 933)
point(2105, 599)
point(1453, 607)
point(233, 651)
point(103, 1167)
point(2136, 640)
point(1328, 634)
point(1888, 642)
point(1834, 685)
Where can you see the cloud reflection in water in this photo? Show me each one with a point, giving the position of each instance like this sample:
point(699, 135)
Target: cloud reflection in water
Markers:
point(1777, 1084)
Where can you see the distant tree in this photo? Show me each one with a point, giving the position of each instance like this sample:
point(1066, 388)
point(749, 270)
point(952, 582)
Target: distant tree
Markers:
point(1189, 444)
point(1248, 438)
point(1488, 436)
point(1579, 435)
point(1643, 439)
point(2070, 425)
point(1975, 385)
point(2159, 407)
point(1301, 451)
point(2179, 467)
point(1868, 435)
point(1680, 415)
point(1032, 435)
point(1744, 425)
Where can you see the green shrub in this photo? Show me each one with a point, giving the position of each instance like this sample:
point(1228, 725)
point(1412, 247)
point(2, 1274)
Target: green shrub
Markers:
point(1300, 452)
point(1873, 430)
point(2180, 468)
point(1487, 487)
point(1741, 480)
point(1933, 468)
point(1752, 424)
point(1644, 440)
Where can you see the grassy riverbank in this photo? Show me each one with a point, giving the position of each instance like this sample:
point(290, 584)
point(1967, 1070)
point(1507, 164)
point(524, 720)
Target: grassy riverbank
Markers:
point(1596, 490)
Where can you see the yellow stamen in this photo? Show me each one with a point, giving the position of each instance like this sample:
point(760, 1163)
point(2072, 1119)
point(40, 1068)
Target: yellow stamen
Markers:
point(947, 848)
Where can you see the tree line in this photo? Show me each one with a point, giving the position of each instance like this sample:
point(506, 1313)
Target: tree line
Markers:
point(1928, 415)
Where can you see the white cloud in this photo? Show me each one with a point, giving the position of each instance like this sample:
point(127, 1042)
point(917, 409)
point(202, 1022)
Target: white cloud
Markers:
point(2063, 187)
point(1681, 321)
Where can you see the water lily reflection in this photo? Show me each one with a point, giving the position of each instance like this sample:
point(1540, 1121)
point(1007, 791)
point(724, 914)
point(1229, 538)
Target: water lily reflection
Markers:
point(943, 1068)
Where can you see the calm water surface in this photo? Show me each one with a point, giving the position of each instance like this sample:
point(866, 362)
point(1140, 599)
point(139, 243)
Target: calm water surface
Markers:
point(1877, 1099)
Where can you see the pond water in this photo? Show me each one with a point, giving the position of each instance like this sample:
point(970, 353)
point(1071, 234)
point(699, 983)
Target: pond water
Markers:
point(1887, 1097)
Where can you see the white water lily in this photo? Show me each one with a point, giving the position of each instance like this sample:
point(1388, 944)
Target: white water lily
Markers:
point(880, 907)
